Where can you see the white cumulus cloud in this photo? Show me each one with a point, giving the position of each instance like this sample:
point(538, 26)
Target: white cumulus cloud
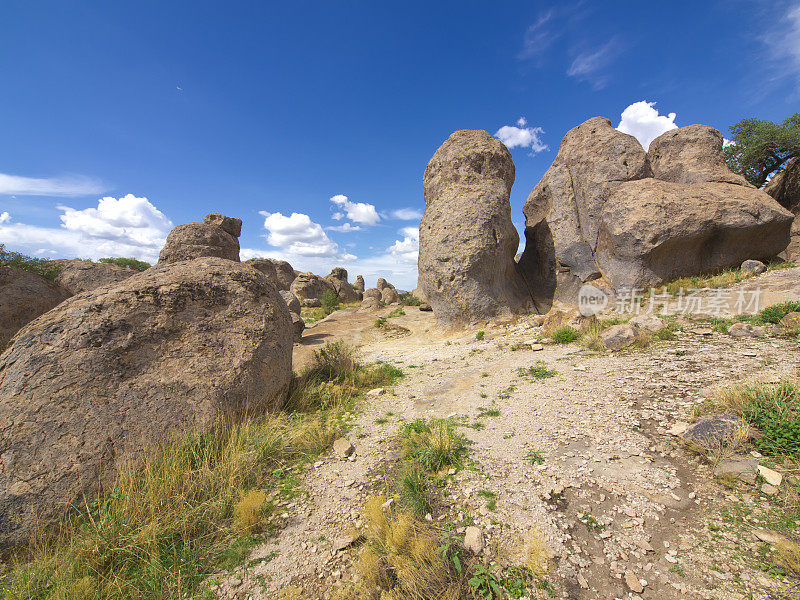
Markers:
point(358, 212)
point(297, 236)
point(520, 136)
point(407, 214)
point(643, 122)
point(52, 186)
point(407, 249)
point(127, 226)
point(4, 217)
point(345, 228)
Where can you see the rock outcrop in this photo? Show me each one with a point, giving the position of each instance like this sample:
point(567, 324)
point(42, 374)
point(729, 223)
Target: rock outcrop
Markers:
point(638, 219)
point(267, 267)
point(78, 276)
point(309, 288)
point(359, 284)
point(785, 188)
point(292, 302)
point(23, 297)
point(196, 240)
point(286, 274)
point(338, 279)
point(109, 374)
point(467, 240)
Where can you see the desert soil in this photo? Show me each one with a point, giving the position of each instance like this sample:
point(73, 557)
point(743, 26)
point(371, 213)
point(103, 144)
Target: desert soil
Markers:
point(602, 425)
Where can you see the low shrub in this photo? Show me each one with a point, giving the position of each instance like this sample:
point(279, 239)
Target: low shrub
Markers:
point(565, 334)
point(330, 301)
point(127, 263)
point(38, 266)
point(409, 299)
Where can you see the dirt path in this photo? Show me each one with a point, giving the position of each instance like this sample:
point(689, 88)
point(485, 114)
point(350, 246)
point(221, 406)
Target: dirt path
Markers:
point(614, 496)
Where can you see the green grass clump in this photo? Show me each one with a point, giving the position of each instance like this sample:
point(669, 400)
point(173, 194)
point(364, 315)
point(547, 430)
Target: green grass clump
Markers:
point(772, 408)
point(479, 335)
point(565, 334)
point(537, 371)
point(126, 263)
point(434, 444)
point(37, 266)
point(397, 312)
point(773, 314)
point(409, 299)
point(162, 528)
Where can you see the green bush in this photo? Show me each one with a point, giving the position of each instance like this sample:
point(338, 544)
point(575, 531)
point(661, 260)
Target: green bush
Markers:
point(38, 266)
point(330, 301)
point(126, 263)
point(564, 335)
point(774, 313)
point(409, 299)
point(775, 411)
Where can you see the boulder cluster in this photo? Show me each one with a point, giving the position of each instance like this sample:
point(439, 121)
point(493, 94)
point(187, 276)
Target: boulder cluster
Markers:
point(605, 211)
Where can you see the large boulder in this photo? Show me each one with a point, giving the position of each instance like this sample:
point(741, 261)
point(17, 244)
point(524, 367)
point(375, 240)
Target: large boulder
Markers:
point(196, 240)
point(292, 302)
point(23, 297)
point(372, 293)
point(267, 267)
point(286, 274)
point(338, 279)
point(108, 375)
point(229, 225)
point(467, 240)
point(309, 288)
point(785, 188)
point(78, 276)
point(389, 295)
point(691, 154)
point(652, 231)
point(637, 219)
point(359, 284)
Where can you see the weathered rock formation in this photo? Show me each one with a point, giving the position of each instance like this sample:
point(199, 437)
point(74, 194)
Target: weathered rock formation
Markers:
point(210, 238)
point(23, 297)
point(359, 284)
point(292, 302)
point(309, 288)
point(609, 209)
point(267, 267)
point(286, 274)
point(338, 279)
point(109, 374)
point(467, 240)
point(78, 276)
point(785, 188)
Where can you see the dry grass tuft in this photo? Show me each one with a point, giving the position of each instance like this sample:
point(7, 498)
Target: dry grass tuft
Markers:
point(535, 554)
point(248, 514)
point(402, 559)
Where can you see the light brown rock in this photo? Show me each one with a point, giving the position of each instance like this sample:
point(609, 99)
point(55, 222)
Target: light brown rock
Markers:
point(618, 337)
point(23, 297)
point(266, 266)
point(467, 240)
point(359, 284)
point(109, 374)
point(197, 240)
point(309, 288)
point(389, 295)
point(292, 302)
point(691, 154)
point(338, 279)
point(652, 231)
point(78, 276)
point(229, 225)
point(286, 274)
point(473, 540)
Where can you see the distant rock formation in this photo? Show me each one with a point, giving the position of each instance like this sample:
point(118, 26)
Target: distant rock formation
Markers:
point(359, 284)
point(309, 288)
point(23, 297)
point(610, 209)
point(78, 276)
point(214, 237)
point(286, 274)
point(267, 267)
point(338, 279)
point(785, 188)
point(108, 375)
point(467, 240)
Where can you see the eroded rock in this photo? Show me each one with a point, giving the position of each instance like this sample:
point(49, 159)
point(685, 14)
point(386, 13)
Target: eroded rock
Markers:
point(23, 297)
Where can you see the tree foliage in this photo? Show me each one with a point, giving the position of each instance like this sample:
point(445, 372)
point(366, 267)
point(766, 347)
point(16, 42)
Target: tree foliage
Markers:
point(38, 266)
point(760, 148)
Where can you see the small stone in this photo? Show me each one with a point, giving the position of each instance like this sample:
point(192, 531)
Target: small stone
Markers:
point(770, 537)
point(537, 347)
point(633, 583)
point(376, 392)
point(582, 582)
point(769, 490)
point(753, 267)
point(388, 503)
point(771, 477)
point(704, 331)
point(342, 448)
point(473, 540)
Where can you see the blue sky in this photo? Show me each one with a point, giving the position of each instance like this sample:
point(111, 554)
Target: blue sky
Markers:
point(313, 121)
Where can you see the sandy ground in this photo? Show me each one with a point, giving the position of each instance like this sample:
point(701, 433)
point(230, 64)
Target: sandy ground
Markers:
point(602, 426)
